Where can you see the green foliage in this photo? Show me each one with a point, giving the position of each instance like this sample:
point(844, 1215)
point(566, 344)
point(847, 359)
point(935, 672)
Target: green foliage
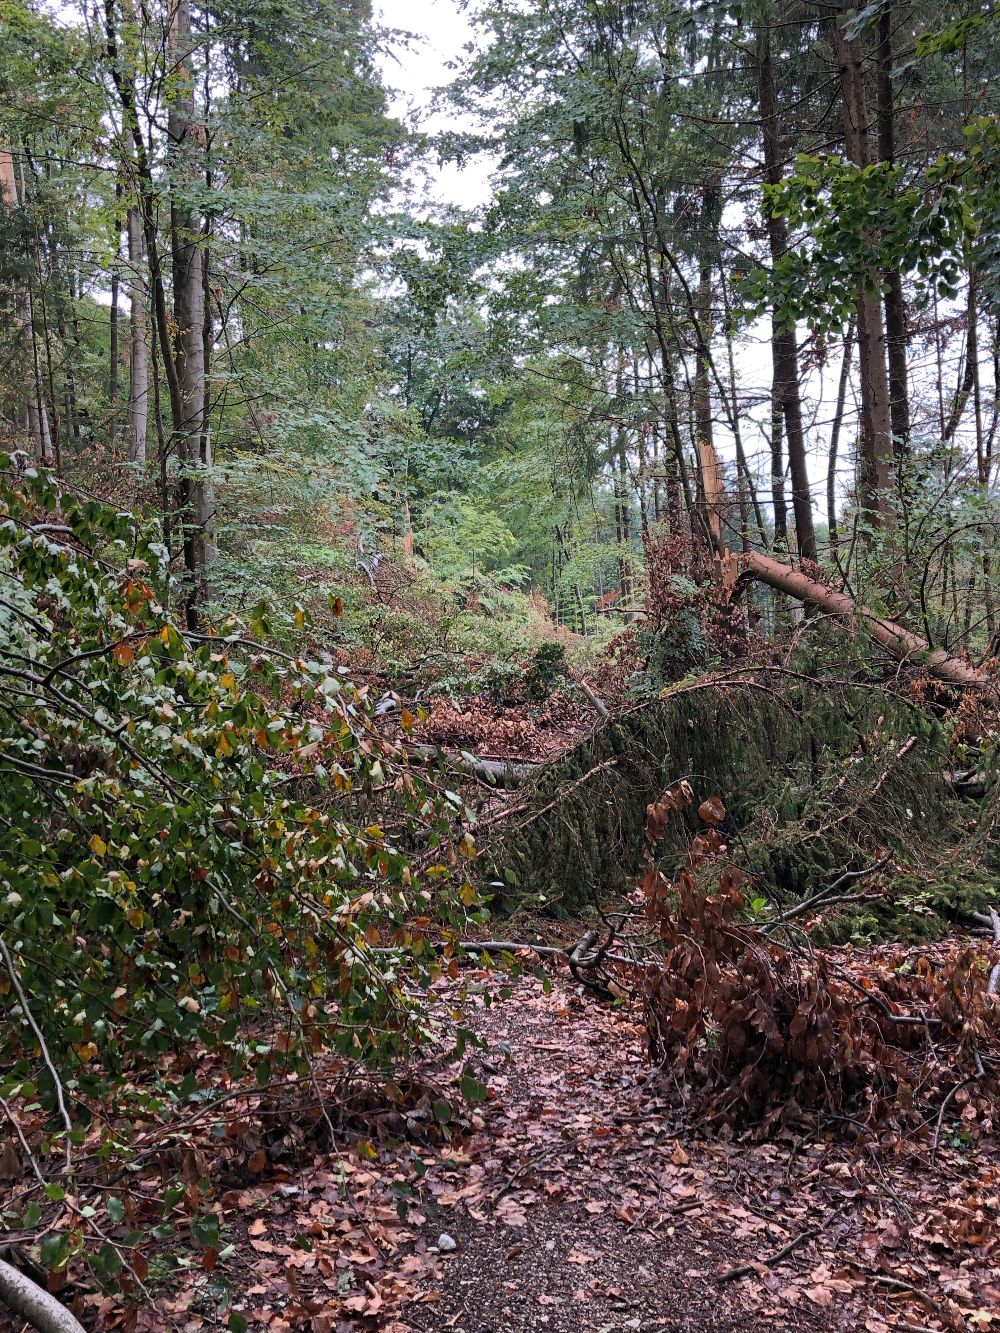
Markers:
point(795, 769)
point(548, 667)
point(843, 209)
point(167, 896)
point(952, 36)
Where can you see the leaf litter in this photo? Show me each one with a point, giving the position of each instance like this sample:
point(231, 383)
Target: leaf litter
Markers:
point(581, 1196)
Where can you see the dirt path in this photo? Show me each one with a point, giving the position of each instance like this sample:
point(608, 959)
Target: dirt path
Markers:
point(577, 1206)
point(572, 1200)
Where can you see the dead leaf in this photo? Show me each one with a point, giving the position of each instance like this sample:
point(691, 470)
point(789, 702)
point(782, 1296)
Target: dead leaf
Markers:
point(581, 1257)
point(821, 1296)
point(10, 1162)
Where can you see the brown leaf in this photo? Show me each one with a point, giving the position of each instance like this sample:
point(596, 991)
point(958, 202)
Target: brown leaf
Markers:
point(10, 1162)
point(821, 1296)
point(712, 811)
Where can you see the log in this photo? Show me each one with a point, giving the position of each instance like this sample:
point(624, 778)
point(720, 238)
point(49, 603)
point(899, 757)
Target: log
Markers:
point(597, 703)
point(902, 643)
point(495, 772)
point(28, 1301)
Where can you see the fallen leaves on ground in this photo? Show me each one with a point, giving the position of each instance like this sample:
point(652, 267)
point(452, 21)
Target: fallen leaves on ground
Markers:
point(581, 1200)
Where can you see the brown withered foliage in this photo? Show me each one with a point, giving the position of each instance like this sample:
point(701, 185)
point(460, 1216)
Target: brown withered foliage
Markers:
point(751, 1031)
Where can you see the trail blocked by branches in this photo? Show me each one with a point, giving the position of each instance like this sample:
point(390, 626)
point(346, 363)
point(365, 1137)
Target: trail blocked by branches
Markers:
point(814, 776)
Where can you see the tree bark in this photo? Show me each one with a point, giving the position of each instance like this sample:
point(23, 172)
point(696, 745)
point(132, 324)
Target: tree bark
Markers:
point(186, 138)
point(895, 302)
point(28, 1301)
point(838, 420)
point(113, 350)
point(875, 461)
point(784, 341)
point(901, 642)
point(709, 466)
point(139, 371)
point(33, 405)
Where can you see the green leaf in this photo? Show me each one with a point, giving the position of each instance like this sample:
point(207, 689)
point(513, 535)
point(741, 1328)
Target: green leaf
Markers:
point(472, 1090)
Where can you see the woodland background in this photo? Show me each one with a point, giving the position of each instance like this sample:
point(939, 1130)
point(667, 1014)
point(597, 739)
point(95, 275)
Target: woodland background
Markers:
point(383, 581)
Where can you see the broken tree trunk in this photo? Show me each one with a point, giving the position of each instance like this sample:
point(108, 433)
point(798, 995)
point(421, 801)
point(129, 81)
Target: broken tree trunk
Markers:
point(902, 643)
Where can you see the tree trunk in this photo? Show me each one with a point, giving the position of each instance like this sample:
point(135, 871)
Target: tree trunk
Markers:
point(895, 302)
point(37, 426)
point(875, 461)
point(746, 489)
point(709, 467)
point(186, 138)
point(902, 643)
point(113, 352)
point(784, 342)
point(139, 371)
point(779, 507)
point(838, 419)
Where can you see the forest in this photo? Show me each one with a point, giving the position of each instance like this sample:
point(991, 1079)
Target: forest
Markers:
point(499, 692)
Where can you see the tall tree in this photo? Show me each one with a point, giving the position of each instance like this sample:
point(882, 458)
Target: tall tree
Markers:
point(875, 472)
point(786, 390)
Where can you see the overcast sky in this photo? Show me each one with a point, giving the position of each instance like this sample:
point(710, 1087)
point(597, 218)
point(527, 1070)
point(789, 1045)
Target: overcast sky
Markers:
point(414, 69)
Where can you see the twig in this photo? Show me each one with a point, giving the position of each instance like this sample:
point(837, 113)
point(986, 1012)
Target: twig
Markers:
point(585, 957)
point(5, 1107)
point(526, 1166)
point(970, 1078)
point(744, 1270)
point(49, 1064)
point(823, 897)
point(480, 946)
point(897, 1284)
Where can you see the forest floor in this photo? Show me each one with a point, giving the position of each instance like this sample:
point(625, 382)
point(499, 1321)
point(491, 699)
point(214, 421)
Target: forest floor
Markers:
point(574, 1199)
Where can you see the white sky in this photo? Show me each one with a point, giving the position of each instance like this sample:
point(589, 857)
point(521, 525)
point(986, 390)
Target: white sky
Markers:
point(412, 70)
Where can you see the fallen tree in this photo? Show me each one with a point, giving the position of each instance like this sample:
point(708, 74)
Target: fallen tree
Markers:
point(901, 642)
point(736, 570)
point(819, 777)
